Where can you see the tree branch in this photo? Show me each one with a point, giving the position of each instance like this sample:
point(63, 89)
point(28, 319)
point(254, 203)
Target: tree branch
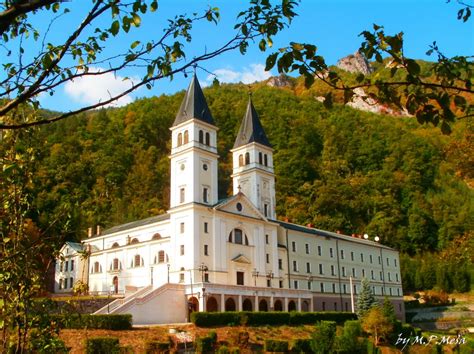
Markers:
point(20, 8)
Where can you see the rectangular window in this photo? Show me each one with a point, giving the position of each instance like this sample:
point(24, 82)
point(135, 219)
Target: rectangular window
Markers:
point(396, 277)
point(389, 277)
point(267, 239)
point(335, 306)
point(306, 247)
point(240, 278)
point(206, 277)
point(333, 288)
point(355, 289)
point(390, 289)
point(372, 275)
point(66, 265)
point(72, 265)
point(205, 195)
point(280, 263)
point(269, 283)
point(295, 266)
point(280, 284)
point(295, 283)
point(331, 253)
point(380, 260)
point(181, 227)
point(181, 250)
point(344, 286)
point(321, 269)
point(319, 251)
point(268, 258)
point(363, 273)
point(322, 287)
point(388, 262)
point(362, 257)
point(309, 285)
point(65, 283)
point(206, 250)
point(370, 258)
point(293, 246)
point(206, 228)
point(352, 256)
point(265, 209)
point(353, 272)
point(308, 267)
point(182, 195)
point(71, 283)
point(398, 291)
point(342, 254)
point(333, 270)
point(343, 271)
point(395, 262)
point(381, 276)
point(181, 277)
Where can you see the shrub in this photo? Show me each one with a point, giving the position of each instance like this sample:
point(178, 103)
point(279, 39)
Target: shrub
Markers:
point(272, 345)
point(78, 321)
point(301, 346)
point(223, 350)
point(213, 336)
point(102, 345)
point(322, 339)
point(204, 345)
point(436, 298)
point(155, 347)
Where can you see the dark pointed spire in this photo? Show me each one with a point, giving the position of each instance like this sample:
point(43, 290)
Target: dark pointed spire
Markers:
point(194, 105)
point(251, 130)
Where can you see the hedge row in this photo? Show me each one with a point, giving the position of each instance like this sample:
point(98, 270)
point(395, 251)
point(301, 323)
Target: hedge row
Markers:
point(210, 319)
point(283, 346)
point(78, 321)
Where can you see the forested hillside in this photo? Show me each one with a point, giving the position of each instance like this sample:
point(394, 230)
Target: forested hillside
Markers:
point(338, 169)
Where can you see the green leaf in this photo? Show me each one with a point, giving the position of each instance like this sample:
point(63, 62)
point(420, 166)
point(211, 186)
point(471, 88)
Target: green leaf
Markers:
point(270, 62)
point(114, 28)
point(136, 20)
point(134, 44)
point(262, 45)
point(154, 6)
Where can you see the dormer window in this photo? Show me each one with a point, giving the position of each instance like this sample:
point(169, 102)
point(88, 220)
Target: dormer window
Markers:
point(134, 241)
point(156, 236)
point(115, 245)
point(238, 237)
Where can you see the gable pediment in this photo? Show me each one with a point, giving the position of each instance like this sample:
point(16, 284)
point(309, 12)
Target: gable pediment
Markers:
point(241, 259)
point(239, 204)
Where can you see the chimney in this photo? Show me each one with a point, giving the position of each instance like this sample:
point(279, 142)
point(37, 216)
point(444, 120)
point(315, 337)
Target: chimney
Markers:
point(338, 231)
point(98, 230)
point(353, 235)
point(128, 239)
point(89, 232)
point(309, 225)
point(286, 219)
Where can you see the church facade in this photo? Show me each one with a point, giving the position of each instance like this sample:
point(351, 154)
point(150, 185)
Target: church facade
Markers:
point(207, 254)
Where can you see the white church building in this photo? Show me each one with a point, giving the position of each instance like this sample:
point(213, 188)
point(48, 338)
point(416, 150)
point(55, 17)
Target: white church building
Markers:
point(207, 254)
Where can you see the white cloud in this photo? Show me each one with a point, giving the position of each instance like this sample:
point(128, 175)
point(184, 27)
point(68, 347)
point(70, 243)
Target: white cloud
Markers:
point(248, 75)
point(99, 88)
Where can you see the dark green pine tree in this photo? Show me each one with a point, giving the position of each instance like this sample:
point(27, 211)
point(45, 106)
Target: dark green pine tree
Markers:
point(388, 310)
point(366, 299)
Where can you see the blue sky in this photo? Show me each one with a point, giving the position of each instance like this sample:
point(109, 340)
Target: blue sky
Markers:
point(333, 26)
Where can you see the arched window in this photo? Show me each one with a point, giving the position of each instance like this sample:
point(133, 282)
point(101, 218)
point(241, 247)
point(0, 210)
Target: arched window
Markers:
point(201, 137)
point(260, 160)
point(97, 268)
point(247, 158)
point(186, 137)
point(115, 265)
point(161, 257)
point(208, 139)
point(115, 245)
point(134, 241)
point(238, 237)
point(265, 160)
point(156, 236)
point(241, 160)
point(180, 139)
point(137, 261)
point(181, 275)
